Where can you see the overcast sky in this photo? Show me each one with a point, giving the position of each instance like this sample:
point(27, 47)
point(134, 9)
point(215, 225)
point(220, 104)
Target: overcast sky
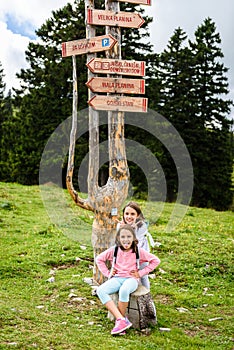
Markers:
point(20, 19)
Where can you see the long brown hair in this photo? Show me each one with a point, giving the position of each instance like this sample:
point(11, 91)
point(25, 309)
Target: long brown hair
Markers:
point(135, 206)
point(135, 240)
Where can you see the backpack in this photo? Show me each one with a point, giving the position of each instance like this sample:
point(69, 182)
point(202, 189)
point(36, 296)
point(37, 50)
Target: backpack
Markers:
point(115, 258)
point(149, 237)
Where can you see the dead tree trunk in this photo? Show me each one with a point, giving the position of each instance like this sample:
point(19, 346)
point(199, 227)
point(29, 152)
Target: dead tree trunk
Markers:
point(104, 201)
point(141, 310)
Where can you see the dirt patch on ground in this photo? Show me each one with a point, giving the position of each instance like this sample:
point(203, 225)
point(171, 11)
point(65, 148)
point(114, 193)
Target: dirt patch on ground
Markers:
point(200, 330)
point(163, 299)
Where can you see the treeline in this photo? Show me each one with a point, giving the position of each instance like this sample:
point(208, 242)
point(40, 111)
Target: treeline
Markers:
point(186, 83)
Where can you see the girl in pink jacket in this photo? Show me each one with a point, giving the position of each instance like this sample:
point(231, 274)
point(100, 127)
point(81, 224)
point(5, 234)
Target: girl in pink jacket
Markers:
point(132, 215)
point(124, 275)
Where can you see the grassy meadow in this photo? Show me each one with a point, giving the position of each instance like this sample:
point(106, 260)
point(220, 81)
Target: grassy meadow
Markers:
point(46, 254)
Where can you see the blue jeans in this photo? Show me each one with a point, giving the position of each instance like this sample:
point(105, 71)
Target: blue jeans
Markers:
point(124, 285)
point(145, 279)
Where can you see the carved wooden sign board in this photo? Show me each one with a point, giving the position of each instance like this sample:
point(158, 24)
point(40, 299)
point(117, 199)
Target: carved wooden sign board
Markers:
point(95, 44)
point(143, 2)
point(119, 103)
point(117, 85)
point(113, 66)
point(110, 18)
point(111, 85)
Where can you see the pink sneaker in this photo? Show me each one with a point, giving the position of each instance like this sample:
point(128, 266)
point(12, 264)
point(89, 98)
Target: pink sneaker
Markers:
point(121, 325)
point(122, 333)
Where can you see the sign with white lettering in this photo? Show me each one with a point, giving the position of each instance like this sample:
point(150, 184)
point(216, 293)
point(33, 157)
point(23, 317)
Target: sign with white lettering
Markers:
point(119, 103)
point(112, 66)
point(111, 18)
point(117, 85)
point(95, 44)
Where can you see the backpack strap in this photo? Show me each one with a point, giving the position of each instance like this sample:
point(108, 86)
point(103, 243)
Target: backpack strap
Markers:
point(115, 255)
point(149, 236)
point(114, 260)
point(137, 258)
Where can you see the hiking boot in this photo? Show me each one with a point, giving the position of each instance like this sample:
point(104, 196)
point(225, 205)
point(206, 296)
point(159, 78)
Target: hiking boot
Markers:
point(120, 326)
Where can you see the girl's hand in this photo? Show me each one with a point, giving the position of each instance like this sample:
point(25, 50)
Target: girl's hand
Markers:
point(135, 273)
point(118, 221)
point(114, 272)
point(134, 225)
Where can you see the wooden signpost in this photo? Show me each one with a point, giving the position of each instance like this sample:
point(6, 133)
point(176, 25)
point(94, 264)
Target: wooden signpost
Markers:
point(106, 200)
point(117, 85)
point(112, 66)
point(119, 103)
point(111, 18)
point(95, 44)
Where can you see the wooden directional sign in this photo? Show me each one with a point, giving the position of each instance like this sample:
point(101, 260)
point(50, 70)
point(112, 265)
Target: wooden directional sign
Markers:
point(143, 2)
point(119, 103)
point(119, 85)
point(111, 18)
point(112, 66)
point(95, 44)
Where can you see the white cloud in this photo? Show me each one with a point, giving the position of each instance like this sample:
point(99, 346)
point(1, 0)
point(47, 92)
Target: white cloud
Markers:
point(37, 11)
point(12, 54)
point(13, 46)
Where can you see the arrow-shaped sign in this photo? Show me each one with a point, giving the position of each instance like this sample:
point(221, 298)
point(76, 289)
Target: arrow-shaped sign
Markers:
point(111, 18)
point(143, 2)
point(112, 66)
point(119, 103)
point(117, 85)
point(95, 44)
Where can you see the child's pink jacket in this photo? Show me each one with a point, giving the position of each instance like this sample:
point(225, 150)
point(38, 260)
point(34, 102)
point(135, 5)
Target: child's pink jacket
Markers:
point(126, 262)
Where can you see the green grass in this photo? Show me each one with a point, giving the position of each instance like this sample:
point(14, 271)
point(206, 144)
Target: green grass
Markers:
point(195, 274)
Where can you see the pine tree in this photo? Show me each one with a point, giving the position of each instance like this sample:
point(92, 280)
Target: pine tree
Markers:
point(2, 100)
point(192, 93)
point(45, 97)
point(212, 151)
point(10, 133)
point(2, 116)
point(173, 76)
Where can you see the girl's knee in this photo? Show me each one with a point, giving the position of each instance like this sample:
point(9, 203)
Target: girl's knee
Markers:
point(102, 295)
point(98, 291)
point(145, 281)
point(124, 295)
point(126, 290)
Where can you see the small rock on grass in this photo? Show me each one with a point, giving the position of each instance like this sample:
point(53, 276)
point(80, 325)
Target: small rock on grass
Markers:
point(164, 329)
point(215, 319)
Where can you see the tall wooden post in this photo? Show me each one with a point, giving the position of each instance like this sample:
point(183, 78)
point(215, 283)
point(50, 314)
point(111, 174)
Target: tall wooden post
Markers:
point(107, 200)
point(110, 197)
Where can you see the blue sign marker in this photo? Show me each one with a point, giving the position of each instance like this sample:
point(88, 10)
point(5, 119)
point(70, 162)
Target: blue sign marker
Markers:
point(105, 42)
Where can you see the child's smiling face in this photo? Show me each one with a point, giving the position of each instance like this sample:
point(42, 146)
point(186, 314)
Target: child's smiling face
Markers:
point(126, 238)
point(130, 215)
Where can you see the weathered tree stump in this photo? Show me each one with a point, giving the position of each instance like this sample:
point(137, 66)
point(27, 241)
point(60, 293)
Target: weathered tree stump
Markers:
point(141, 309)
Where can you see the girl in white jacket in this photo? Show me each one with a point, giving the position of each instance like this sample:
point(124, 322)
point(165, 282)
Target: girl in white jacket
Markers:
point(132, 215)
